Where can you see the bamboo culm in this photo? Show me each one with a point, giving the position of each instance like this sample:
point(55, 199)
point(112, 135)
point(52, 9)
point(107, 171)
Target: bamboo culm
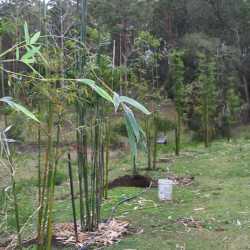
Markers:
point(72, 196)
point(155, 140)
point(107, 145)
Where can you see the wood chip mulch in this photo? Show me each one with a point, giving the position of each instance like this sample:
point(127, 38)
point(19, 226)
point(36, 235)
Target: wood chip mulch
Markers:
point(190, 223)
point(181, 180)
point(107, 234)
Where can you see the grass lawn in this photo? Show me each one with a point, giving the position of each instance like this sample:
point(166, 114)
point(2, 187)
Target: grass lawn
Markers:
point(219, 199)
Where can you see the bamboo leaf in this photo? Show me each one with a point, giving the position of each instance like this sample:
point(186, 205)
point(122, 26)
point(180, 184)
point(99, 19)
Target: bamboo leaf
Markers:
point(17, 54)
point(116, 101)
point(31, 52)
point(34, 50)
point(135, 104)
point(8, 128)
point(28, 60)
point(35, 38)
point(26, 33)
point(100, 91)
point(131, 137)
point(132, 121)
point(8, 100)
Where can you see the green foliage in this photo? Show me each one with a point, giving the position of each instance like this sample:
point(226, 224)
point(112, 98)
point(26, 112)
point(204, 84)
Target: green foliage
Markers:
point(100, 91)
point(146, 40)
point(60, 177)
point(212, 39)
point(207, 80)
point(120, 128)
point(163, 124)
point(231, 110)
point(134, 103)
point(17, 132)
point(196, 43)
point(18, 107)
point(177, 70)
point(233, 102)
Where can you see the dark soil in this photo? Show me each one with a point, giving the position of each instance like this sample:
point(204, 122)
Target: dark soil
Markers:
point(145, 181)
point(131, 181)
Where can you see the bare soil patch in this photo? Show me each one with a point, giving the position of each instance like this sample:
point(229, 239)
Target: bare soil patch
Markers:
point(131, 181)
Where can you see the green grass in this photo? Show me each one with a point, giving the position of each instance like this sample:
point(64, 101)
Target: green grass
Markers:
point(219, 198)
point(221, 189)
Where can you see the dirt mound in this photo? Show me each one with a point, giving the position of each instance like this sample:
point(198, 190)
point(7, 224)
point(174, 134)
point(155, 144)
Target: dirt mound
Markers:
point(131, 181)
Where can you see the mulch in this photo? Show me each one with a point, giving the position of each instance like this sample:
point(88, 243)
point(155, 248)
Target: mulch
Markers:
point(181, 180)
point(108, 233)
point(190, 223)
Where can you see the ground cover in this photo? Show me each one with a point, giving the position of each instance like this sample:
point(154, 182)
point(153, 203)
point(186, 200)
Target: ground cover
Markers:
point(211, 213)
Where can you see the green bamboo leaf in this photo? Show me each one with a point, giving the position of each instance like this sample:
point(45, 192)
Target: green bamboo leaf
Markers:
point(26, 33)
point(135, 104)
point(8, 100)
point(131, 137)
point(100, 91)
point(35, 38)
point(33, 49)
point(132, 121)
point(31, 52)
point(116, 101)
point(17, 54)
point(28, 60)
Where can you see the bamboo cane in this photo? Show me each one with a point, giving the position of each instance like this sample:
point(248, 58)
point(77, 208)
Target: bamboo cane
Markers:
point(72, 196)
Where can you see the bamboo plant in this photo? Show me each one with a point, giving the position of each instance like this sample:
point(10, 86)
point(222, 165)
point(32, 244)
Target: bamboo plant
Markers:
point(103, 93)
point(178, 70)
